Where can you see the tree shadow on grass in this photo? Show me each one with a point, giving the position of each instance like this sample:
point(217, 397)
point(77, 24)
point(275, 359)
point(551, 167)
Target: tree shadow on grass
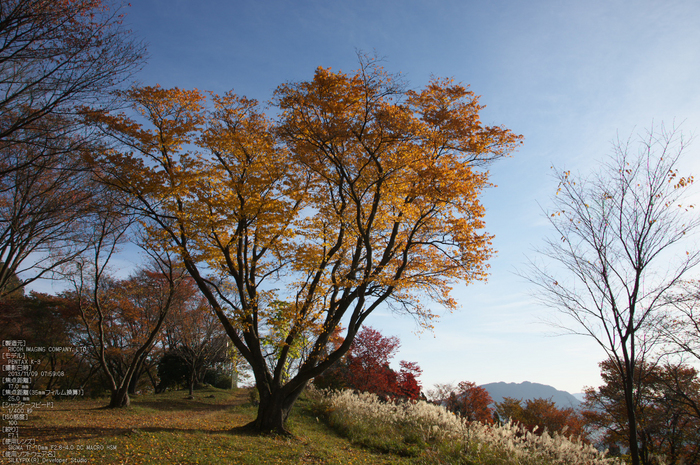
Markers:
point(59, 434)
point(184, 404)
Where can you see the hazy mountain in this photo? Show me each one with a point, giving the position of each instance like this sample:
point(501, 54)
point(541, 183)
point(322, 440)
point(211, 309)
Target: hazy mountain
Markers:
point(527, 390)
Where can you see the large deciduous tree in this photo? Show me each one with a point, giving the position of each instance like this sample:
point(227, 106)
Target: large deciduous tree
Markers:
point(362, 194)
point(122, 318)
point(44, 208)
point(55, 56)
point(617, 233)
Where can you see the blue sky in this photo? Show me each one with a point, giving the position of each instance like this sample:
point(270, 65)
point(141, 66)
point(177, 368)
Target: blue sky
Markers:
point(567, 75)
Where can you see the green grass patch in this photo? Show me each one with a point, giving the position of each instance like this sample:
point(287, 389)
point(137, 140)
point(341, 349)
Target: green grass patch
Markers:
point(342, 429)
point(168, 428)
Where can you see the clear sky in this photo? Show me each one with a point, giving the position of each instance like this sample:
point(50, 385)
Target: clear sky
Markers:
point(568, 75)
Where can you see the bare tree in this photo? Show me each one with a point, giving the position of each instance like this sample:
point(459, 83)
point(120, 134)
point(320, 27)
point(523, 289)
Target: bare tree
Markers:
point(55, 57)
point(45, 203)
point(617, 233)
point(681, 326)
point(122, 323)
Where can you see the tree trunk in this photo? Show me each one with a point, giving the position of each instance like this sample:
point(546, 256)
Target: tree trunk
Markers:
point(274, 410)
point(631, 416)
point(644, 449)
point(133, 383)
point(120, 397)
point(154, 383)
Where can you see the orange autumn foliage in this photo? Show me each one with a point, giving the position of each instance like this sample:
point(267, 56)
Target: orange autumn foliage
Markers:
point(539, 415)
point(360, 194)
point(471, 402)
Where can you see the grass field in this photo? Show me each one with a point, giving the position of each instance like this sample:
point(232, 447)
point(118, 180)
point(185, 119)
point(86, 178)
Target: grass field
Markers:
point(170, 429)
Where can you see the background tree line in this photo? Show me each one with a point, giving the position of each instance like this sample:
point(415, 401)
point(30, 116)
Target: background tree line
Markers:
point(189, 347)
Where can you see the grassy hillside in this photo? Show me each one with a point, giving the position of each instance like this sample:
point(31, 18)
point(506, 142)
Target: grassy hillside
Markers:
point(170, 429)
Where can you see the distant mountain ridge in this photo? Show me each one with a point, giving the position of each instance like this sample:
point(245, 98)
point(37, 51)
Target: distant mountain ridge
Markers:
point(527, 391)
